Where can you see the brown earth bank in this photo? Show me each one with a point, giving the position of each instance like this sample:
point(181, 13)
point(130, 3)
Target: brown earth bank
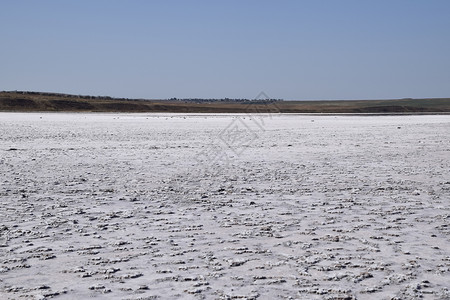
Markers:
point(53, 102)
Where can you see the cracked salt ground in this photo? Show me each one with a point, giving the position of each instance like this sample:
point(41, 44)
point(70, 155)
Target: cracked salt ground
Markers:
point(344, 207)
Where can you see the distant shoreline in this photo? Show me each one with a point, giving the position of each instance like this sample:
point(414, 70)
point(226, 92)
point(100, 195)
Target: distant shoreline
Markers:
point(200, 114)
point(52, 102)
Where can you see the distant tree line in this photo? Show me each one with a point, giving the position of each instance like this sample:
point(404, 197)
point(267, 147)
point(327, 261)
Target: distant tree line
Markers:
point(69, 96)
point(239, 100)
point(187, 100)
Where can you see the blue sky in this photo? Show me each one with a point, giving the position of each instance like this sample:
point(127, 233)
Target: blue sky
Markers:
point(317, 49)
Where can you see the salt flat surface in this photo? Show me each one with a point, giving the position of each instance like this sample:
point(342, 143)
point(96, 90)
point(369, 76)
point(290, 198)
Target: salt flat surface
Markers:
point(146, 206)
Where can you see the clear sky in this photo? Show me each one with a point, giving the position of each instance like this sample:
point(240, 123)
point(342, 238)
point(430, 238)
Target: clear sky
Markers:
point(310, 49)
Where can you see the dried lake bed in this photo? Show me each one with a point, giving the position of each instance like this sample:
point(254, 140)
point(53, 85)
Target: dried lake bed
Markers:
point(195, 206)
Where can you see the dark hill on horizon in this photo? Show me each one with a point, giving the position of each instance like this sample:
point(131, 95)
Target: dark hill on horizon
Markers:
point(53, 102)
